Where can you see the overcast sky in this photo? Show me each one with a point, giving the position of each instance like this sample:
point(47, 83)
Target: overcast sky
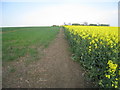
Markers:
point(49, 12)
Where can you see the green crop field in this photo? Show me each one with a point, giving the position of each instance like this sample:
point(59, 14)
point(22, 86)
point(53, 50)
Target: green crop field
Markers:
point(24, 41)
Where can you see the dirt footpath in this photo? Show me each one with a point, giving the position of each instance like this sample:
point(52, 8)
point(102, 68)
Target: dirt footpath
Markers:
point(55, 69)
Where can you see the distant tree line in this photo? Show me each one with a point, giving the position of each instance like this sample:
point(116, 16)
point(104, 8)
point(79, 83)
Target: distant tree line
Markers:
point(86, 24)
point(77, 24)
point(55, 25)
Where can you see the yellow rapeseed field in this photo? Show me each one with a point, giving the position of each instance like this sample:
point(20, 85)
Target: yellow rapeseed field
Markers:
point(97, 48)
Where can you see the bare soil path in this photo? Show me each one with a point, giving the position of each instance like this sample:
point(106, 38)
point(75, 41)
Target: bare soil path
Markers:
point(55, 69)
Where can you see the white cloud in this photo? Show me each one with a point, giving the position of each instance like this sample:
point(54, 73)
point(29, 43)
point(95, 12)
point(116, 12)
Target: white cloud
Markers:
point(69, 13)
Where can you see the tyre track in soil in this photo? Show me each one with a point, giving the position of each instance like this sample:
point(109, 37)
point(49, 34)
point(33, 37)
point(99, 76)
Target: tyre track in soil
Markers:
point(55, 69)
